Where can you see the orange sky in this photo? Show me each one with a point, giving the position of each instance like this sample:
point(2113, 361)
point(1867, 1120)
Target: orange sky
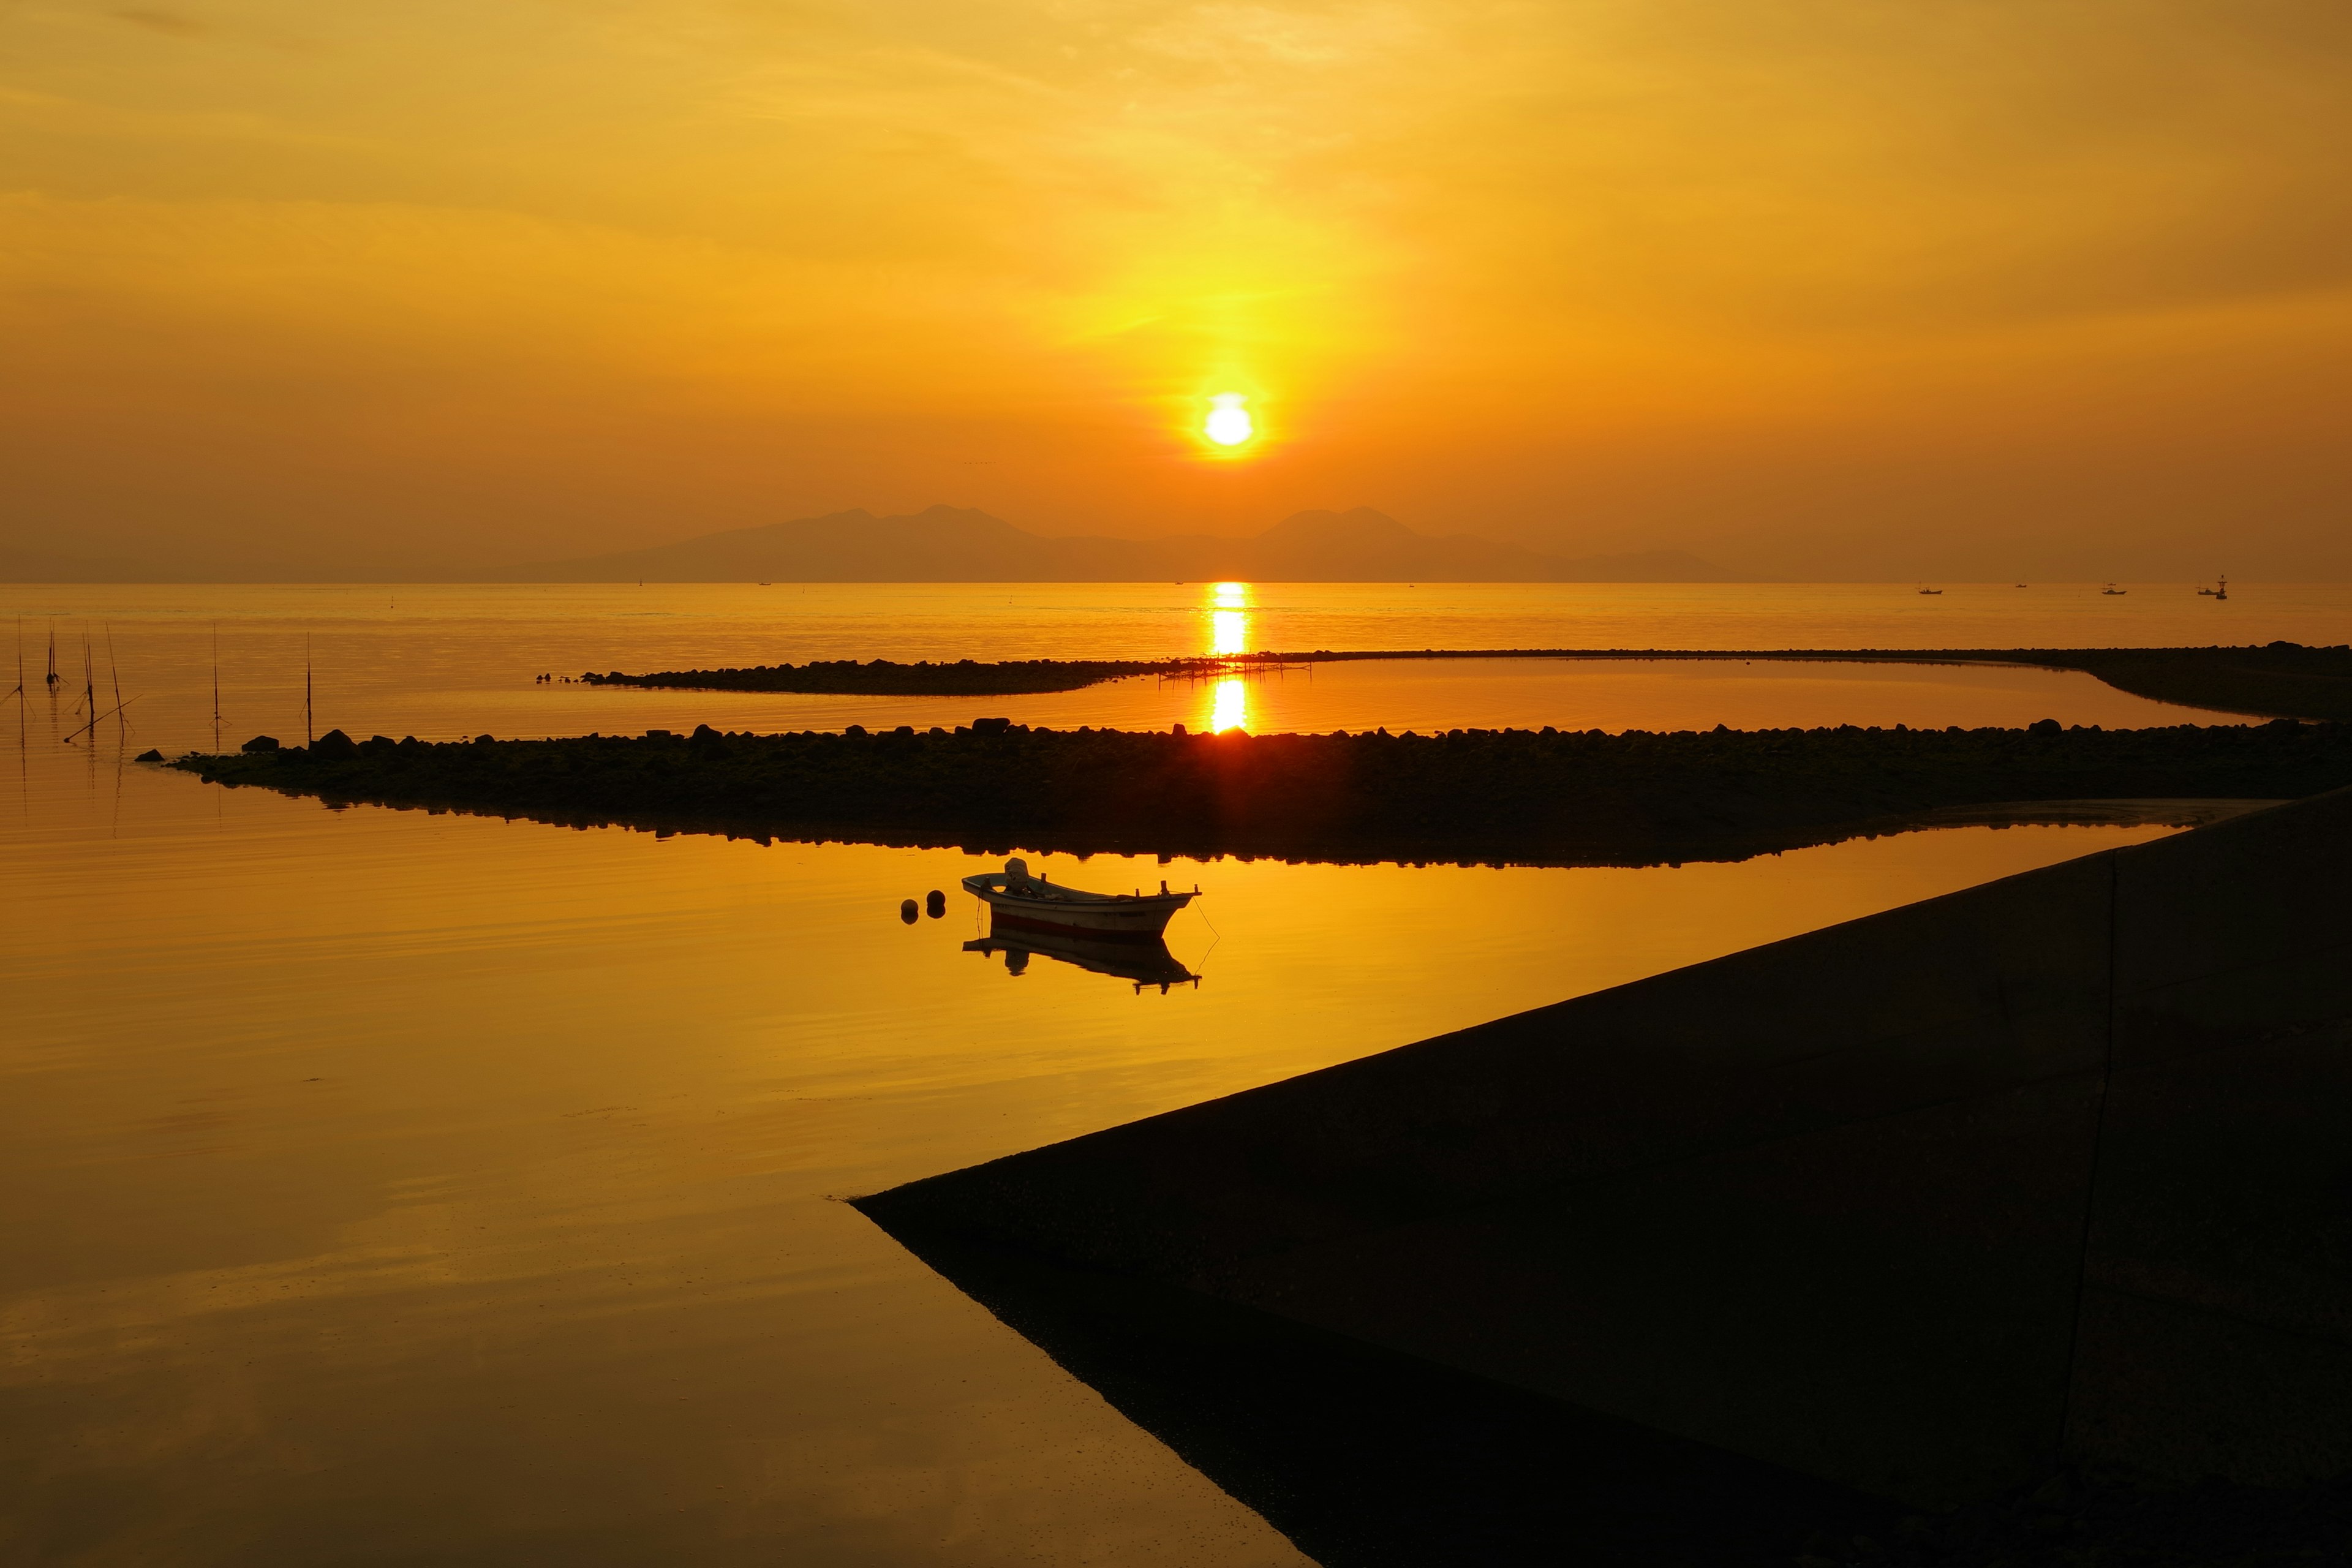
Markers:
point(1815, 286)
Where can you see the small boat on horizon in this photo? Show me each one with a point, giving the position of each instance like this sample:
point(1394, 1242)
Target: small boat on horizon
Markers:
point(1020, 901)
point(2112, 590)
point(1927, 590)
point(2220, 593)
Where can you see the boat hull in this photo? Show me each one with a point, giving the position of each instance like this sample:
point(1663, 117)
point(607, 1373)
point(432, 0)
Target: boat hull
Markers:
point(1018, 902)
point(1142, 921)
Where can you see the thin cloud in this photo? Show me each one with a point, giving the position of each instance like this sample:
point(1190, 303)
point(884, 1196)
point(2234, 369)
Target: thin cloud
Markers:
point(168, 22)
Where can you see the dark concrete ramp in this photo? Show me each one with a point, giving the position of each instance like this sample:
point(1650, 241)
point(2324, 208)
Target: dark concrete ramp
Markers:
point(1369, 1459)
point(1916, 1205)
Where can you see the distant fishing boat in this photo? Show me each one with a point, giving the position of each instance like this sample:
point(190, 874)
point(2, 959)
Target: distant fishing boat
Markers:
point(2220, 593)
point(2112, 589)
point(1931, 590)
point(1022, 902)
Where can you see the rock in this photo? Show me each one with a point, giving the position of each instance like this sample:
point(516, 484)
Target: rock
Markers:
point(2045, 727)
point(379, 743)
point(856, 729)
point(333, 743)
point(485, 739)
point(260, 744)
point(658, 734)
point(991, 726)
point(150, 755)
point(705, 733)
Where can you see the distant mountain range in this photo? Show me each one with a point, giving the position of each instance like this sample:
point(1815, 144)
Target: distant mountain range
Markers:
point(952, 544)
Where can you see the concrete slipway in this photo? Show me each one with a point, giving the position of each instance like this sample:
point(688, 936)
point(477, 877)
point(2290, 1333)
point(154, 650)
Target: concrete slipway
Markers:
point(1919, 1207)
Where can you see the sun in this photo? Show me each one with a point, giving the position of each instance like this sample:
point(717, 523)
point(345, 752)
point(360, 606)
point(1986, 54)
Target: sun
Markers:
point(1229, 423)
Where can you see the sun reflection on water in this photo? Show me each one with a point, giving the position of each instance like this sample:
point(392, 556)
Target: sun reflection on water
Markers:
point(1229, 707)
point(1228, 617)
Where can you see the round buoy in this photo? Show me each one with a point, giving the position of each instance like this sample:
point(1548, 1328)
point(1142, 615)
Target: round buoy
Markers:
point(907, 911)
point(936, 904)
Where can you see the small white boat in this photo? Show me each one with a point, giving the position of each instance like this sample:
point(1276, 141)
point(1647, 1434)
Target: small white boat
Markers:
point(1020, 901)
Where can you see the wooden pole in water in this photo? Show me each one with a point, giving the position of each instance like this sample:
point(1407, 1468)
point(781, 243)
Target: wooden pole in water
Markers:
point(53, 658)
point(217, 720)
point(23, 702)
point(306, 690)
point(114, 678)
point(88, 706)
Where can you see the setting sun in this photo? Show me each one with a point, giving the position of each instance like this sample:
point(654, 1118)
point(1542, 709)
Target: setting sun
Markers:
point(1229, 423)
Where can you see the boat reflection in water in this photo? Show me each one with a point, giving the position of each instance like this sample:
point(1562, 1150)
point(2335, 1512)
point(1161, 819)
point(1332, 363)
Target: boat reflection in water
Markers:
point(1108, 933)
point(1143, 963)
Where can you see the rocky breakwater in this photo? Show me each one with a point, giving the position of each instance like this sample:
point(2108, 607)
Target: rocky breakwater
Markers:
point(887, 678)
point(1517, 796)
point(2280, 679)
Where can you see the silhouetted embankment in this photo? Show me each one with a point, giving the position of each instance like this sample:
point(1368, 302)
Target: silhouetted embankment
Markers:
point(1516, 796)
point(883, 677)
point(2281, 680)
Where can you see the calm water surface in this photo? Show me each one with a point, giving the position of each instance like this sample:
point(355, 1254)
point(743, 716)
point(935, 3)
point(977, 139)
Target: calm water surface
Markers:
point(377, 1186)
point(439, 661)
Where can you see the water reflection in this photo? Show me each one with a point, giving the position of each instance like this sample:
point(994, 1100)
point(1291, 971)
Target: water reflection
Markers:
point(1229, 704)
point(1229, 617)
point(487, 1160)
point(418, 1181)
point(1140, 964)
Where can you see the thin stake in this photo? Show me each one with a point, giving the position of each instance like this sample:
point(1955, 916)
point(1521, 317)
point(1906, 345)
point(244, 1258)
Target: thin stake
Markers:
point(115, 676)
point(216, 718)
point(90, 729)
point(306, 690)
point(23, 702)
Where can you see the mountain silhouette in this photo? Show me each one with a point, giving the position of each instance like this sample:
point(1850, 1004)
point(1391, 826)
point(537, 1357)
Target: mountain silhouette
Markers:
point(959, 545)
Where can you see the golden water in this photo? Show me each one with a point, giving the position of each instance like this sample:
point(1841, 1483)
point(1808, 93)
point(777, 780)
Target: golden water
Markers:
point(390, 1187)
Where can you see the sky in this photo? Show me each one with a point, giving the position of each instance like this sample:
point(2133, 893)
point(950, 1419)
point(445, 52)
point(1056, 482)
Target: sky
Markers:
point(1836, 288)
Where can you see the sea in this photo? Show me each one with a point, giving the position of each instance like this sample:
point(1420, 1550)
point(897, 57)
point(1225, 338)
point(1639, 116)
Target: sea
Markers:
point(394, 1187)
